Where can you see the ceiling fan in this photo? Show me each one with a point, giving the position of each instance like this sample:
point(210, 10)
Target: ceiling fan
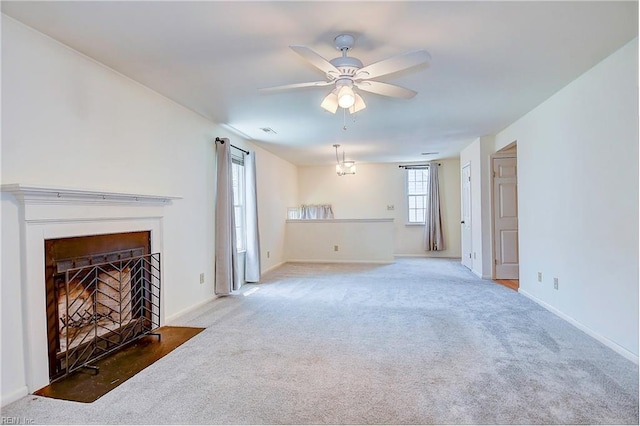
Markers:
point(348, 75)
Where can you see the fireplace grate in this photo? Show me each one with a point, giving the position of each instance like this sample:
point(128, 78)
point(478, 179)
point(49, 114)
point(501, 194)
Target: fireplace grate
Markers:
point(105, 303)
point(94, 259)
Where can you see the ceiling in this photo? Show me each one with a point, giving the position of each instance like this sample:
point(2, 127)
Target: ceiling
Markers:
point(492, 62)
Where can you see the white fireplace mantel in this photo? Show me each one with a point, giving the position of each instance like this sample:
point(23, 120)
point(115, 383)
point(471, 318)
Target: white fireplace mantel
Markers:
point(48, 212)
point(57, 195)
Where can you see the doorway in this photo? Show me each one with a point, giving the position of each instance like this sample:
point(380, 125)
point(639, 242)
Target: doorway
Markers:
point(505, 214)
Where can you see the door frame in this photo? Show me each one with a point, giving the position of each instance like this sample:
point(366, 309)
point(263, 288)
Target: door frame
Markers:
point(509, 151)
point(470, 242)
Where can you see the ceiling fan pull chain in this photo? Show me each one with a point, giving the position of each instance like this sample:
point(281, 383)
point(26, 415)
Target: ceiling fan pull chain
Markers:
point(344, 119)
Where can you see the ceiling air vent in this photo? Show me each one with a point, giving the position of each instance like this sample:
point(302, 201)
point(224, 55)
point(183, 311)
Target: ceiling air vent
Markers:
point(268, 130)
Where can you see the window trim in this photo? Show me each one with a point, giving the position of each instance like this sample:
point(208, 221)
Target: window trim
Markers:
point(408, 222)
point(242, 193)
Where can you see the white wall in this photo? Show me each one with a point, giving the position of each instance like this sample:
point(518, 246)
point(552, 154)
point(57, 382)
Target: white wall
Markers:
point(68, 121)
point(578, 200)
point(277, 190)
point(340, 240)
point(478, 155)
point(12, 355)
point(367, 194)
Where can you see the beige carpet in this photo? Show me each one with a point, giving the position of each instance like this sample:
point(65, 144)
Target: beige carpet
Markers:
point(416, 342)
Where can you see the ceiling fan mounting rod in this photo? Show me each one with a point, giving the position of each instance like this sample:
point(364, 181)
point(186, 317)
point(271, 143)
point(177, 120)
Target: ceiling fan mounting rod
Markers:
point(344, 42)
point(347, 65)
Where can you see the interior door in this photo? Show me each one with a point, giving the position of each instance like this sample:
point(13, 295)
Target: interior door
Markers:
point(466, 217)
point(505, 216)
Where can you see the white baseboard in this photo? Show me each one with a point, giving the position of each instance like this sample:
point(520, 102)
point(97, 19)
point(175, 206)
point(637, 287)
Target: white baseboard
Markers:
point(379, 262)
point(272, 268)
point(10, 397)
point(426, 256)
point(600, 338)
point(479, 275)
point(174, 317)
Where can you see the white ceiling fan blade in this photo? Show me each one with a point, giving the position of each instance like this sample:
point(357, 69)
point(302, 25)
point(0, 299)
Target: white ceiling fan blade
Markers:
point(296, 86)
point(386, 89)
point(394, 64)
point(316, 60)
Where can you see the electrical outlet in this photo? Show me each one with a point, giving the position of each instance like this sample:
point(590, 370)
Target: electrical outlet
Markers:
point(555, 283)
point(335, 248)
point(202, 278)
point(539, 277)
point(391, 207)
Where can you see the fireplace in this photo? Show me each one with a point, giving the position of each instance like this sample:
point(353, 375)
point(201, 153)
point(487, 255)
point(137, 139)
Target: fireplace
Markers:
point(102, 291)
point(49, 213)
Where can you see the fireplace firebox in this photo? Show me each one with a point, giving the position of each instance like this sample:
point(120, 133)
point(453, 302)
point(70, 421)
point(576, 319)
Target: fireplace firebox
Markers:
point(102, 292)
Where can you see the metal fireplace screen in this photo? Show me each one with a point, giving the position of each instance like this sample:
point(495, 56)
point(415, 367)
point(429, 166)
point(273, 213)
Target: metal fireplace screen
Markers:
point(103, 306)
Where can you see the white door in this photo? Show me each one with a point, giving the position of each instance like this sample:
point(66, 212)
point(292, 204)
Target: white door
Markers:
point(466, 217)
point(505, 217)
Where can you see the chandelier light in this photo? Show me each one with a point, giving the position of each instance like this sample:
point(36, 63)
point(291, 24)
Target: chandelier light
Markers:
point(344, 167)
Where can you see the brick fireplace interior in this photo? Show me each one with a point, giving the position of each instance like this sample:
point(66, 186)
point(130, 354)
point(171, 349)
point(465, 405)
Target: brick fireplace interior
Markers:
point(99, 295)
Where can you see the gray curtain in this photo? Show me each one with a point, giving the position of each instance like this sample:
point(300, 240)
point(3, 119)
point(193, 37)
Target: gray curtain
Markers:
point(252, 257)
point(434, 234)
point(226, 264)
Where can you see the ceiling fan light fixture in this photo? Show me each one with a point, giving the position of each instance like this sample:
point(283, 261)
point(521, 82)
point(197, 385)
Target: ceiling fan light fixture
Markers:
point(346, 97)
point(347, 73)
point(358, 104)
point(330, 103)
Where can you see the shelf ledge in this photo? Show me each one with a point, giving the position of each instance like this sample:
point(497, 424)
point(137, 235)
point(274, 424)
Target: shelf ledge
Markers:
point(339, 220)
point(57, 195)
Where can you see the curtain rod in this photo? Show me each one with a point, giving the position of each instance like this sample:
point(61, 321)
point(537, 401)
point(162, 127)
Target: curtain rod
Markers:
point(415, 166)
point(232, 146)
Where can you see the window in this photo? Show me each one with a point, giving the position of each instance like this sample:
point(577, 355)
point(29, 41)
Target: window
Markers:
point(417, 185)
point(237, 169)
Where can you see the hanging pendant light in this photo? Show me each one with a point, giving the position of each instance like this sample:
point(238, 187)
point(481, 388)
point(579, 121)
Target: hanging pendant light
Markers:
point(344, 167)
